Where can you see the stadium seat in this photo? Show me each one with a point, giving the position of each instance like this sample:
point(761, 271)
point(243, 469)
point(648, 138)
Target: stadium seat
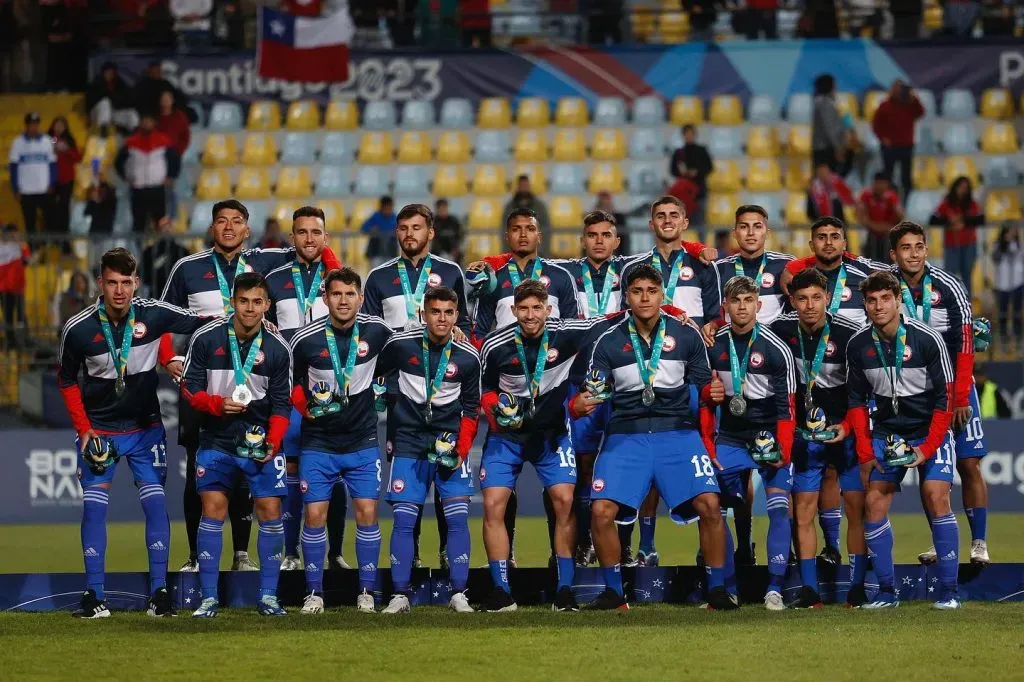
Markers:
point(959, 138)
point(606, 177)
point(565, 212)
point(798, 109)
point(492, 146)
point(338, 147)
point(264, 115)
point(334, 214)
point(798, 142)
point(608, 145)
point(283, 211)
point(846, 103)
point(720, 209)
point(645, 179)
point(537, 174)
point(958, 104)
point(610, 112)
point(1002, 205)
point(489, 180)
point(376, 148)
point(457, 114)
point(724, 143)
point(494, 112)
point(999, 138)
point(412, 181)
point(924, 140)
point(484, 214)
point(996, 103)
point(570, 145)
point(371, 181)
point(480, 245)
point(199, 222)
point(220, 150)
point(341, 115)
point(646, 143)
point(762, 143)
point(533, 112)
point(725, 176)
point(762, 109)
point(449, 181)
point(185, 183)
point(1002, 171)
point(414, 147)
point(927, 99)
point(259, 149)
point(298, 148)
point(418, 115)
point(362, 209)
point(213, 184)
point(571, 112)
point(925, 173)
point(798, 174)
point(642, 22)
point(795, 210)
point(334, 181)
point(531, 145)
point(921, 203)
point(763, 175)
point(871, 101)
point(673, 27)
point(565, 245)
point(293, 183)
point(649, 110)
point(955, 166)
point(225, 117)
point(687, 109)
point(253, 183)
point(302, 115)
point(379, 115)
point(725, 110)
point(770, 202)
point(568, 178)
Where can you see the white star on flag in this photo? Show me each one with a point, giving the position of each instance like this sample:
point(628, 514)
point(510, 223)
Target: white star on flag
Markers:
point(907, 581)
point(188, 600)
point(436, 594)
point(277, 27)
point(930, 589)
point(657, 582)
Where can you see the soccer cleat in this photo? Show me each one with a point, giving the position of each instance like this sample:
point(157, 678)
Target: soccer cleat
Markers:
point(314, 604)
point(91, 607)
point(807, 598)
point(744, 556)
point(609, 600)
point(831, 556)
point(459, 603)
point(928, 557)
point(719, 599)
point(160, 605)
point(268, 606)
point(207, 609)
point(647, 560)
point(364, 603)
point(565, 601)
point(585, 555)
point(883, 600)
point(627, 560)
point(442, 558)
point(339, 562)
point(773, 601)
point(399, 604)
point(242, 562)
point(949, 604)
point(291, 563)
point(857, 596)
point(500, 601)
point(979, 552)
point(190, 566)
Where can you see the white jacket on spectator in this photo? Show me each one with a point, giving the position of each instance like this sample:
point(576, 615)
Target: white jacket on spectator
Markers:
point(191, 15)
point(147, 160)
point(33, 164)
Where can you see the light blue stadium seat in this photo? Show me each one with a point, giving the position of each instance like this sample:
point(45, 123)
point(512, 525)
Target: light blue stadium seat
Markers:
point(567, 178)
point(798, 109)
point(646, 143)
point(772, 203)
point(921, 204)
point(298, 148)
point(649, 111)
point(927, 98)
point(79, 221)
point(762, 109)
point(258, 212)
point(1001, 171)
point(412, 181)
point(225, 117)
point(339, 148)
point(418, 115)
point(334, 181)
point(123, 218)
point(185, 183)
point(610, 111)
point(199, 222)
point(723, 142)
point(379, 115)
point(371, 181)
point(869, 143)
point(960, 138)
point(457, 114)
point(492, 146)
point(958, 104)
point(200, 114)
point(646, 179)
point(924, 140)
point(458, 207)
point(191, 155)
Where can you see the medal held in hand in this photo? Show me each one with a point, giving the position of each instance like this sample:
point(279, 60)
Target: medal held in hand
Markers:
point(738, 370)
point(897, 451)
point(100, 454)
point(648, 368)
point(534, 378)
point(242, 395)
point(764, 449)
point(119, 356)
point(253, 444)
point(443, 453)
point(243, 370)
point(817, 426)
point(323, 400)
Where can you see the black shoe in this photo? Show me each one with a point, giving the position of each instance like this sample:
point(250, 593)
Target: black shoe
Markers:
point(808, 598)
point(499, 601)
point(831, 556)
point(552, 563)
point(565, 601)
point(719, 599)
point(627, 560)
point(857, 596)
point(160, 605)
point(91, 607)
point(609, 600)
point(745, 556)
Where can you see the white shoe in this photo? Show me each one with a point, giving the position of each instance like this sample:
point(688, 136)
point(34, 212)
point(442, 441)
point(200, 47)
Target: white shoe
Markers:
point(773, 601)
point(242, 562)
point(314, 604)
point(399, 604)
point(364, 603)
point(459, 603)
point(291, 563)
point(979, 552)
point(929, 557)
point(947, 605)
point(340, 562)
point(189, 566)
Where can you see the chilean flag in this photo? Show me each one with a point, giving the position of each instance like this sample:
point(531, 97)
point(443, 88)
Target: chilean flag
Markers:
point(303, 49)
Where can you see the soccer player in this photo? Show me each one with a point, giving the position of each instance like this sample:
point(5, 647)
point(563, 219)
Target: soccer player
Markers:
point(818, 339)
point(335, 361)
point(756, 368)
point(238, 378)
point(116, 414)
point(902, 364)
point(651, 439)
point(432, 426)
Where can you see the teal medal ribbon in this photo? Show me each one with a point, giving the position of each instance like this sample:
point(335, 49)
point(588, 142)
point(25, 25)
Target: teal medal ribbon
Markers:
point(893, 372)
point(533, 379)
point(342, 376)
point(222, 282)
point(242, 394)
point(597, 306)
point(414, 299)
point(837, 293)
point(648, 368)
point(812, 368)
point(306, 299)
point(516, 276)
point(673, 276)
point(118, 356)
point(926, 299)
point(741, 272)
point(433, 386)
point(738, 369)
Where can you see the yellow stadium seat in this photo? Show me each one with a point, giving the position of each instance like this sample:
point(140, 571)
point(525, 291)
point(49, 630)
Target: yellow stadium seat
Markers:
point(572, 112)
point(213, 184)
point(565, 212)
point(531, 145)
point(485, 214)
point(798, 143)
point(996, 103)
point(609, 145)
point(725, 176)
point(253, 183)
point(565, 245)
point(341, 115)
point(846, 103)
point(450, 181)
point(798, 175)
point(489, 180)
point(721, 209)
point(414, 147)
point(264, 115)
point(763, 175)
point(933, 18)
point(533, 112)
point(83, 180)
point(643, 22)
point(283, 211)
point(293, 183)
point(606, 177)
point(999, 138)
point(687, 109)
point(925, 173)
point(259, 149)
point(871, 101)
point(1002, 205)
point(795, 210)
point(354, 251)
point(955, 166)
point(480, 245)
point(361, 210)
point(220, 150)
point(334, 214)
point(302, 115)
point(453, 147)
point(537, 174)
point(376, 148)
point(725, 110)
point(102, 148)
point(570, 145)
point(850, 216)
point(762, 142)
point(494, 112)
point(673, 27)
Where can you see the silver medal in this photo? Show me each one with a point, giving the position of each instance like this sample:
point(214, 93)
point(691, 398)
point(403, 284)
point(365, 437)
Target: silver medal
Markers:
point(737, 406)
point(529, 408)
point(428, 413)
point(895, 406)
point(808, 403)
point(242, 395)
point(647, 396)
point(119, 386)
point(343, 399)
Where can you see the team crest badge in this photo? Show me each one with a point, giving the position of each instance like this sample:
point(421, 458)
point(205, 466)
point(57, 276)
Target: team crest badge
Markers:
point(668, 345)
point(303, 486)
point(483, 473)
point(397, 485)
point(364, 349)
point(936, 297)
point(546, 281)
point(451, 370)
point(907, 354)
point(767, 280)
point(434, 280)
point(139, 330)
point(260, 357)
point(686, 273)
point(756, 359)
point(552, 354)
point(389, 446)
point(200, 471)
point(830, 349)
point(598, 485)
point(846, 295)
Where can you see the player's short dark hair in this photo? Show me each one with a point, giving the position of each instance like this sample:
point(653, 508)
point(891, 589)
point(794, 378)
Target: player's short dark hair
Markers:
point(344, 275)
point(412, 210)
point(520, 213)
point(229, 204)
point(902, 229)
point(644, 271)
point(598, 216)
point(751, 208)
point(250, 280)
point(668, 199)
point(808, 277)
point(828, 221)
point(880, 280)
point(446, 294)
point(739, 285)
point(527, 289)
point(309, 212)
point(120, 260)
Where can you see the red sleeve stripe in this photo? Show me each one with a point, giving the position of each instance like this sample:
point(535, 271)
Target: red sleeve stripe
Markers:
point(76, 408)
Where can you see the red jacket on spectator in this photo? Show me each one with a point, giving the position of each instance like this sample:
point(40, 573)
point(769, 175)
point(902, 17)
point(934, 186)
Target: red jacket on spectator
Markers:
point(687, 191)
point(67, 159)
point(827, 197)
point(884, 208)
point(175, 126)
point(763, 4)
point(893, 122)
point(303, 8)
point(970, 220)
point(13, 257)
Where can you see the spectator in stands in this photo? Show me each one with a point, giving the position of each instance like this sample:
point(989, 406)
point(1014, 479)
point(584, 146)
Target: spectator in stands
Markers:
point(447, 232)
point(174, 123)
point(110, 101)
point(997, 18)
point(604, 21)
point(228, 24)
point(1008, 261)
point(959, 16)
point(820, 19)
point(907, 17)
point(687, 191)
point(151, 88)
point(158, 258)
point(380, 226)
point(272, 238)
point(149, 164)
point(827, 194)
point(878, 209)
point(192, 23)
point(8, 37)
point(703, 14)
point(33, 172)
point(101, 207)
point(73, 300)
point(990, 399)
point(60, 22)
point(960, 216)
point(760, 16)
point(14, 254)
point(606, 204)
point(828, 139)
point(692, 161)
point(894, 122)
point(525, 198)
point(725, 244)
point(475, 20)
point(68, 156)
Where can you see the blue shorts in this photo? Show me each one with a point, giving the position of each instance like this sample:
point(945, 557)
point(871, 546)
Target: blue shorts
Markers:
point(292, 444)
point(939, 468)
point(675, 462)
point(320, 471)
point(810, 460)
point(733, 479)
point(588, 432)
point(970, 440)
point(216, 470)
point(145, 451)
point(411, 478)
point(553, 458)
